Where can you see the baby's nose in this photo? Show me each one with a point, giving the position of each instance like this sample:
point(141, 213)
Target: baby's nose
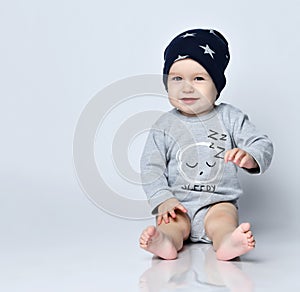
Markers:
point(187, 87)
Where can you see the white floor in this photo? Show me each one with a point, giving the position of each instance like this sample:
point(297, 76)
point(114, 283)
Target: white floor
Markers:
point(68, 244)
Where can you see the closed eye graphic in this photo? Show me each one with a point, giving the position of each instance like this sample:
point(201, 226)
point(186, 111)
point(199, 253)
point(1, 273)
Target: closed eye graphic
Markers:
point(210, 165)
point(192, 166)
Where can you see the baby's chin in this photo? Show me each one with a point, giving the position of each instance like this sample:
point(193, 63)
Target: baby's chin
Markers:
point(193, 113)
point(188, 114)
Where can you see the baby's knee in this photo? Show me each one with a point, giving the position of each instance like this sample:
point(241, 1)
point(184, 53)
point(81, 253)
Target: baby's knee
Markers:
point(222, 210)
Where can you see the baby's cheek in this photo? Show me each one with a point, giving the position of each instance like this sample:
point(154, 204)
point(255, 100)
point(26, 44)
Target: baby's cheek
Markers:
point(174, 102)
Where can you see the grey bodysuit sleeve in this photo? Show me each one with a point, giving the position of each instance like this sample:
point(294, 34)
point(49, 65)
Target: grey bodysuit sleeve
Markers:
point(248, 138)
point(154, 170)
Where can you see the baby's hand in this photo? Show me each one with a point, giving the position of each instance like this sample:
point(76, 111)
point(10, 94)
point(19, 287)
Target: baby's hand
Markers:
point(167, 208)
point(241, 158)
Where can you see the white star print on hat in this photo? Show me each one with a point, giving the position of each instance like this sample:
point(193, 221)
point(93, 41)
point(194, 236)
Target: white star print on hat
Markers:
point(208, 50)
point(188, 35)
point(181, 57)
point(212, 31)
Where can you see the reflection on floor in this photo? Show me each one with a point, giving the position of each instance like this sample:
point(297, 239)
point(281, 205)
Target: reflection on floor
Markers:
point(79, 257)
point(274, 265)
point(196, 269)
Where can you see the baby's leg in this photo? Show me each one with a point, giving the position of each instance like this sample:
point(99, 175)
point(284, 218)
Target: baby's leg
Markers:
point(229, 239)
point(166, 239)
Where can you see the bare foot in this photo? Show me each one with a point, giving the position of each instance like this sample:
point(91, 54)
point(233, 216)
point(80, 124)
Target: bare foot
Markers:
point(239, 242)
point(158, 243)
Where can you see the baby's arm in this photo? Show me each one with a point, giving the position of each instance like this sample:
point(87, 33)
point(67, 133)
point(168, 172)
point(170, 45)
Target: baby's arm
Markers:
point(241, 158)
point(154, 172)
point(253, 150)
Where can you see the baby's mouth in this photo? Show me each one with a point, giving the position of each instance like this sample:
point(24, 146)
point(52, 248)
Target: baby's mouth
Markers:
point(189, 100)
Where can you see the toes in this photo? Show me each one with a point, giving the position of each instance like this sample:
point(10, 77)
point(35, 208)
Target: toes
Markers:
point(146, 236)
point(150, 230)
point(245, 227)
point(143, 240)
point(251, 245)
point(251, 239)
point(251, 242)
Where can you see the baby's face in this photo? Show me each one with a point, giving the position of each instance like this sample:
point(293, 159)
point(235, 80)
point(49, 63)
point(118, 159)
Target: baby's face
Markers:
point(190, 88)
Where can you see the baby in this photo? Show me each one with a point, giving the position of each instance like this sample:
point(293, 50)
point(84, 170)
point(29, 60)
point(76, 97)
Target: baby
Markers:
point(190, 160)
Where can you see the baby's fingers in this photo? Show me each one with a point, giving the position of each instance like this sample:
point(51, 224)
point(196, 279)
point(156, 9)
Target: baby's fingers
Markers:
point(172, 213)
point(248, 162)
point(230, 154)
point(159, 219)
point(181, 208)
point(166, 218)
point(239, 156)
point(245, 161)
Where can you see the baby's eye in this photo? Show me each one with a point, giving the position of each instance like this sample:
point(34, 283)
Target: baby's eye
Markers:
point(176, 78)
point(210, 165)
point(192, 166)
point(199, 78)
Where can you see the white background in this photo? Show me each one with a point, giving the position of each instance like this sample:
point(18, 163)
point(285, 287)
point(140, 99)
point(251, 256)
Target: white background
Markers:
point(56, 55)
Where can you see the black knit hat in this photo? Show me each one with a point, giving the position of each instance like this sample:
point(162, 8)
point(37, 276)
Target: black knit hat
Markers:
point(206, 46)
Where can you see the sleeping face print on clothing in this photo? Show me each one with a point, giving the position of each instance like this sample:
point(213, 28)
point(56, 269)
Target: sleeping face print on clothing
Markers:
point(200, 162)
